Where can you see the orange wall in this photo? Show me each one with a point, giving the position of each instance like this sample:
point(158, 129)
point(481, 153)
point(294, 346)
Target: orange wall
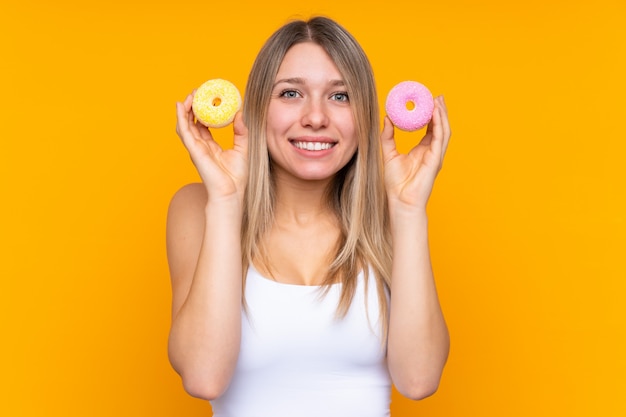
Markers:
point(527, 219)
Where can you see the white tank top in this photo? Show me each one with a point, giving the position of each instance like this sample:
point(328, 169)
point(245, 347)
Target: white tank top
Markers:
point(298, 360)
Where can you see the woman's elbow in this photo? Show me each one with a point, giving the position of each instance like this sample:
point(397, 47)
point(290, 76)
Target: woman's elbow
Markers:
point(418, 389)
point(203, 388)
point(198, 380)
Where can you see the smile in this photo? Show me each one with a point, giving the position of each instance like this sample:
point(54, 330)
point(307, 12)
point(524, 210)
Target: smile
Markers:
point(312, 146)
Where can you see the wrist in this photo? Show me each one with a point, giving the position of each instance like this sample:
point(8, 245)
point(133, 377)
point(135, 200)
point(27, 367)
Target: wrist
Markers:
point(405, 217)
point(224, 206)
point(397, 207)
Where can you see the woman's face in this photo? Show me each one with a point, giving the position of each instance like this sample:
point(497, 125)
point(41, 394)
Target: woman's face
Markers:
point(310, 128)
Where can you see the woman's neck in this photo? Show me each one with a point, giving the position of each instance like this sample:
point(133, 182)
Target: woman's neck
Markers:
point(300, 201)
point(304, 236)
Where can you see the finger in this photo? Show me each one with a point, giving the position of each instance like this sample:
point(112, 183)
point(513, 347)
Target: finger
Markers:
point(429, 127)
point(240, 132)
point(187, 128)
point(428, 136)
point(183, 128)
point(186, 104)
point(447, 132)
point(189, 99)
point(195, 127)
point(436, 133)
point(203, 131)
point(387, 140)
point(178, 118)
point(186, 108)
point(182, 122)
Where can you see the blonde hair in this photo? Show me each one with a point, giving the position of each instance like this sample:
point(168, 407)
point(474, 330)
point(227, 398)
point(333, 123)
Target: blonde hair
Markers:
point(356, 195)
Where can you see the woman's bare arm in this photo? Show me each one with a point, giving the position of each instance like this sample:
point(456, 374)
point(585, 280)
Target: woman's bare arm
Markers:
point(418, 341)
point(204, 255)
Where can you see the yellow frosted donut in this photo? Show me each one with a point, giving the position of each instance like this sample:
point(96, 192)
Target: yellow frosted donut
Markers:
point(216, 102)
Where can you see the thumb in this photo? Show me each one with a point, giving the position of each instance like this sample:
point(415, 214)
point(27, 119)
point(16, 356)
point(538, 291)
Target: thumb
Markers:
point(241, 134)
point(388, 141)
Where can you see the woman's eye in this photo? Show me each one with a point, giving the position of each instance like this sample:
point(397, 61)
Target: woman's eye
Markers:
point(289, 94)
point(340, 96)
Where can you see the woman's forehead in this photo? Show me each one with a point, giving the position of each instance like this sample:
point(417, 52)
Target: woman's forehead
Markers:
point(308, 63)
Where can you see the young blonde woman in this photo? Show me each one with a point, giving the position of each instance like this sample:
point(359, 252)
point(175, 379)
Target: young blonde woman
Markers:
point(301, 274)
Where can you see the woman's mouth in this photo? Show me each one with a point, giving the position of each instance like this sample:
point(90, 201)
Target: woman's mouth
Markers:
point(312, 146)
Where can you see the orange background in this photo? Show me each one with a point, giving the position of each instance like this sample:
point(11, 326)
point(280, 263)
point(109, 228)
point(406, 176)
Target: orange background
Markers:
point(528, 216)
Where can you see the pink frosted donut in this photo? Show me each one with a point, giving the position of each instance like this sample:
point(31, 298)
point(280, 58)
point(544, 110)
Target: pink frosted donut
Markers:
point(409, 105)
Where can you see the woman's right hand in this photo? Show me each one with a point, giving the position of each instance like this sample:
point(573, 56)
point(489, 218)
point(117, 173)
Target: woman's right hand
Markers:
point(223, 172)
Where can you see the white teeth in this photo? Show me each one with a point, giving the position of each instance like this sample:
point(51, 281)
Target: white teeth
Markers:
point(313, 146)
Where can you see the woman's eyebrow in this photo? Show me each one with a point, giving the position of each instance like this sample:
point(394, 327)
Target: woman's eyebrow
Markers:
point(294, 80)
point(337, 83)
point(301, 81)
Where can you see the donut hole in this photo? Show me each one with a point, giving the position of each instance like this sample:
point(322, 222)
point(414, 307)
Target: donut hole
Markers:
point(410, 105)
point(216, 101)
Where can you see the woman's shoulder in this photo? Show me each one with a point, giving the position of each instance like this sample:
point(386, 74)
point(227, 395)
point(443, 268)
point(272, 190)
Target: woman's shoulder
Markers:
point(186, 209)
point(190, 195)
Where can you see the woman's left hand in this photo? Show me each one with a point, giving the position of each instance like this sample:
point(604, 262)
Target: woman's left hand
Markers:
point(409, 178)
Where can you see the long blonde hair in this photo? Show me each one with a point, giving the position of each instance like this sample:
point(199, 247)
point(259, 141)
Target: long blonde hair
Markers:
point(357, 193)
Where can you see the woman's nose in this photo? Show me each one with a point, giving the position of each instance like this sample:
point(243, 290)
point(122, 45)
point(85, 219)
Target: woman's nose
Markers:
point(315, 114)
